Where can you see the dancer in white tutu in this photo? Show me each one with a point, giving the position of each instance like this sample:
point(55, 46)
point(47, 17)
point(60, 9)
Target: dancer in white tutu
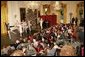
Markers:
point(24, 26)
point(29, 25)
point(19, 27)
point(41, 24)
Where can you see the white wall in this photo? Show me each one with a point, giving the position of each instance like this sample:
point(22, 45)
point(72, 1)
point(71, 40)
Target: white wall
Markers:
point(13, 10)
point(71, 8)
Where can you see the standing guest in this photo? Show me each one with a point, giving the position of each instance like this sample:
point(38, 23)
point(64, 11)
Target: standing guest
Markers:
point(29, 25)
point(20, 29)
point(73, 20)
point(23, 24)
point(76, 20)
point(81, 35)
point(44, 25)
point(47, 23)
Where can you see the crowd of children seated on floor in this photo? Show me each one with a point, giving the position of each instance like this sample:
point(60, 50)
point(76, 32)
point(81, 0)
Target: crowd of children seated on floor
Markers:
point(48, 42)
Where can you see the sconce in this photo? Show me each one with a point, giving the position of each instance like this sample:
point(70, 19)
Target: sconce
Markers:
point(46, 10)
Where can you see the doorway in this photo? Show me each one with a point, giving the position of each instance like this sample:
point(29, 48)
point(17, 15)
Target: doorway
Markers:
point(22, 13)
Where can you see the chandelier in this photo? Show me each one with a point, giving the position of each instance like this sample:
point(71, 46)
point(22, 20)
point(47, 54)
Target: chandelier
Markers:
point(33, 5)
point(57, 5)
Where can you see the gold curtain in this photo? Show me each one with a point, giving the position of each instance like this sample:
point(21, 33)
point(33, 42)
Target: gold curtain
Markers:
point(4, 18)
point(65, 12)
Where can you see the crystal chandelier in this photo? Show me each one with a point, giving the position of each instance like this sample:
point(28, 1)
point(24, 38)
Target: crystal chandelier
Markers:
point(57, 5)
point(33, 5)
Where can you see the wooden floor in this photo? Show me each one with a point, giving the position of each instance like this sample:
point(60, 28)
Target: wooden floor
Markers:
point(5, 41)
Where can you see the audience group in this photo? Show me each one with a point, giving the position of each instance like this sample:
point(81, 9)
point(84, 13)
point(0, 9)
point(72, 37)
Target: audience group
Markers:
point(56, 40)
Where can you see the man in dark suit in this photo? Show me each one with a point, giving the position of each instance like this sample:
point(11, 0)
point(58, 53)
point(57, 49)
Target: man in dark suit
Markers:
point(76, 20)
point(73, 20)
point(44, 25)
